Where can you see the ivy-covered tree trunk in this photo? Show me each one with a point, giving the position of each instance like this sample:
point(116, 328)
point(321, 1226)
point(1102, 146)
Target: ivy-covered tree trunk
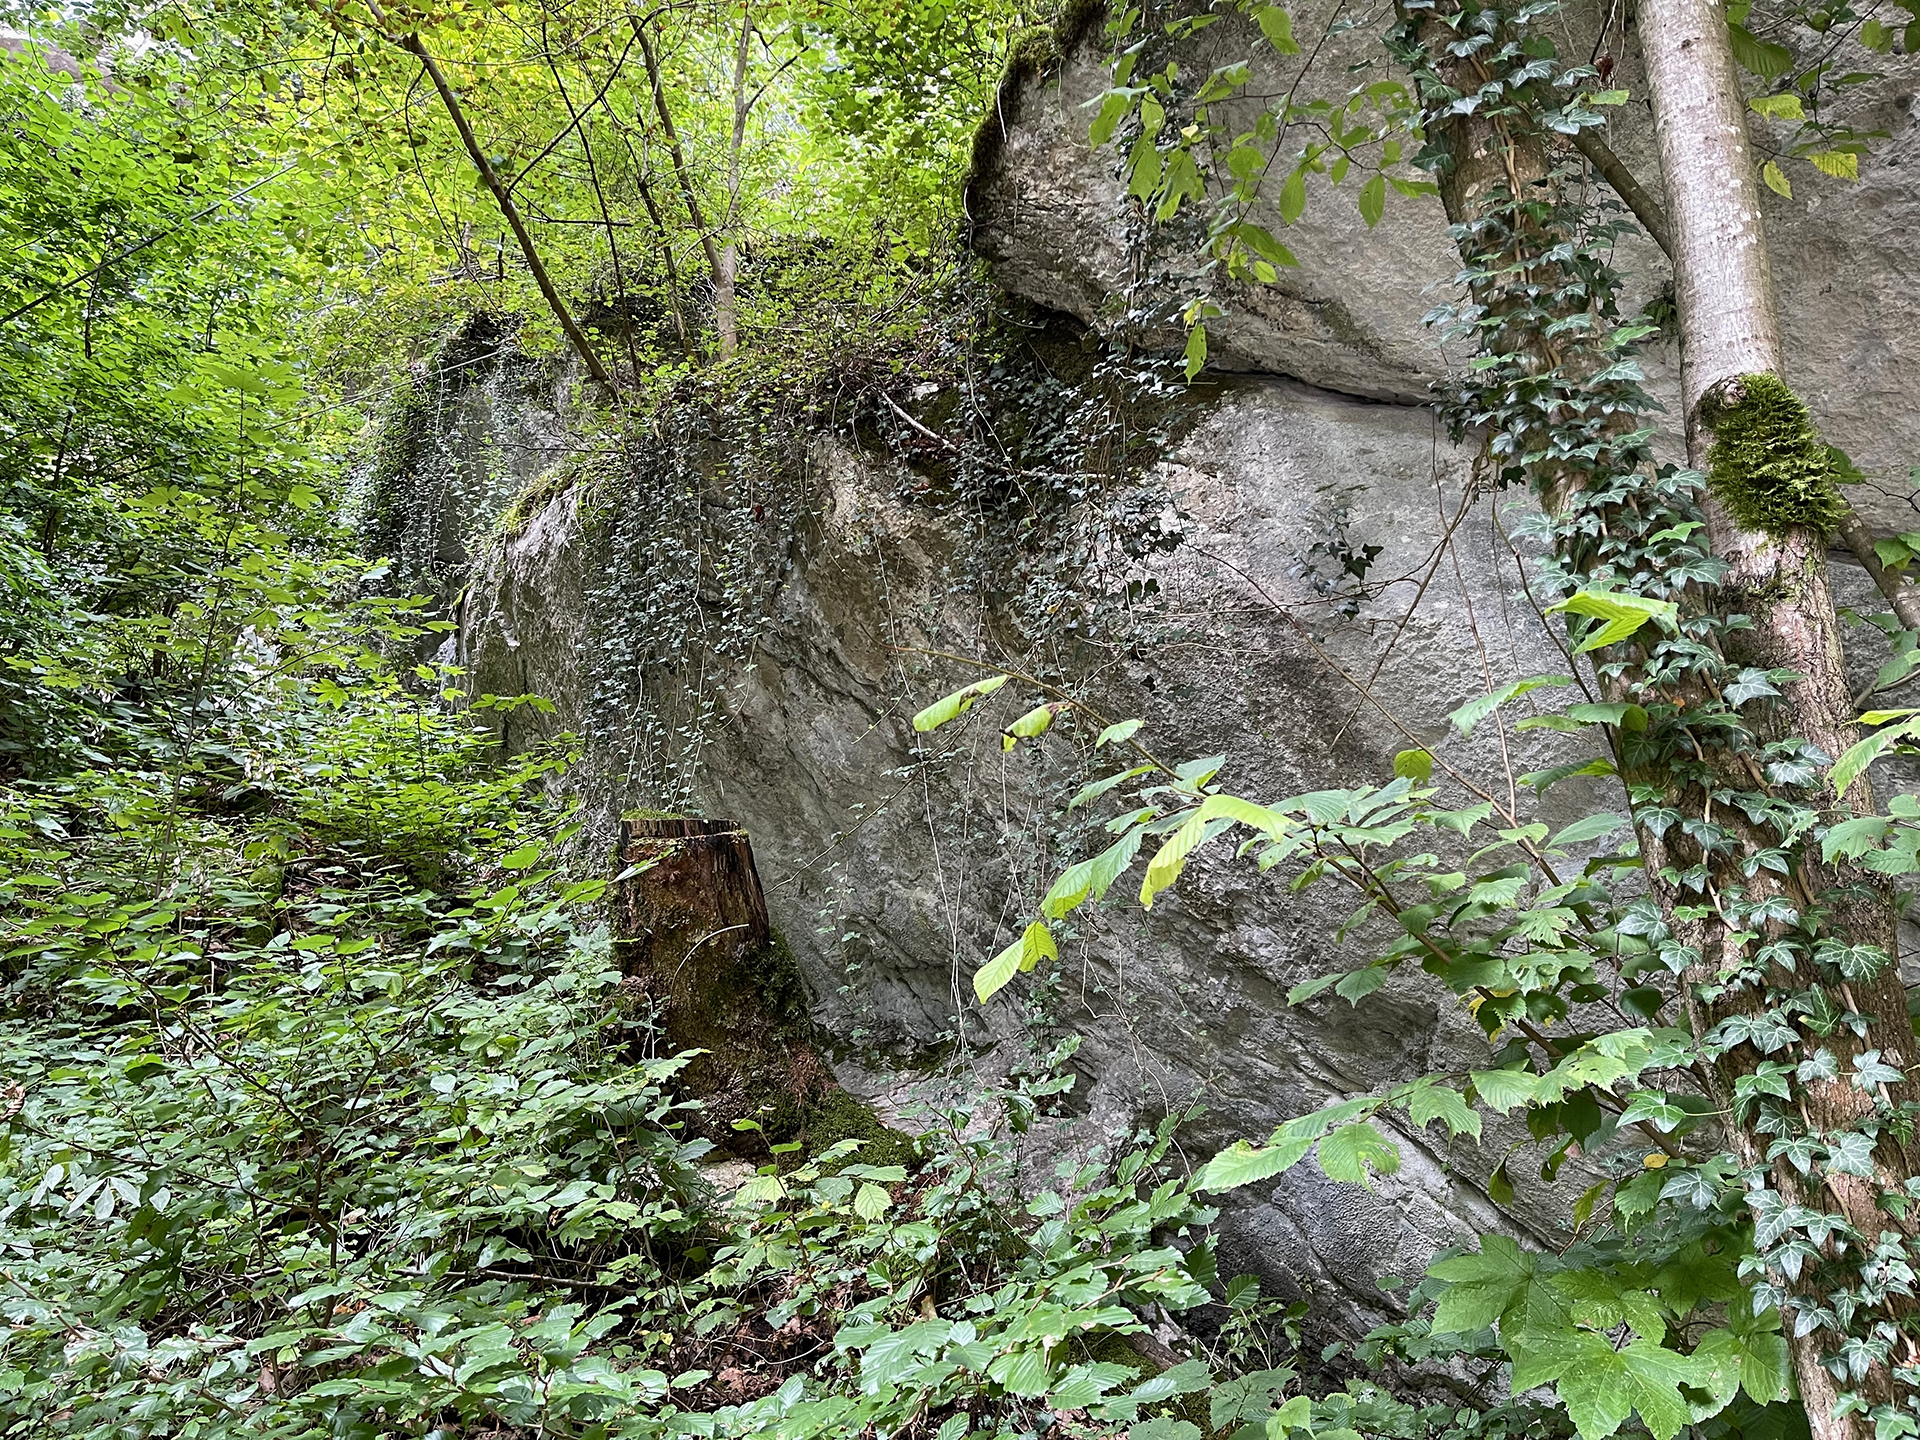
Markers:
point(1772, 500)
point(1728, 722)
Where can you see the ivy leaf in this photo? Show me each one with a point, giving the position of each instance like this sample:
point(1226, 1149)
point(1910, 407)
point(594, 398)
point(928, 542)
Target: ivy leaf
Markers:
point(1347, 1153)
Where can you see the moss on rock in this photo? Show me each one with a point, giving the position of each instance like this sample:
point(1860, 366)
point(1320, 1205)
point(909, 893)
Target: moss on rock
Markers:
point(1031, 53)
point(1767, 464)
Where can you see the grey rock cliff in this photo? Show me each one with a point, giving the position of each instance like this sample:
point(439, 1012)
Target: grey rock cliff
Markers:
point(895, 865)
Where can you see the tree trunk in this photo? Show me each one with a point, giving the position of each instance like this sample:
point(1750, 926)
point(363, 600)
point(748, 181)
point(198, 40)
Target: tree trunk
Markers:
point(1779, 578)
point(576, 337)
point(1712, 820)
point(683, 174)
point(701, 972)
point(726, 308)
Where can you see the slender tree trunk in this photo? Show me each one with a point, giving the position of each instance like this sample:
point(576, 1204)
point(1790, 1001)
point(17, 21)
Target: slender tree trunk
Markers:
point(1710, 869)
point(576, 337)
point(577, 120)
point(726, 308)
point(680, 169)
point(1729, 330)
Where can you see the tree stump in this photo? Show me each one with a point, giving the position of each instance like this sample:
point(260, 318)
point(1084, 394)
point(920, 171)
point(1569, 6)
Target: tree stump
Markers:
point(693, 942)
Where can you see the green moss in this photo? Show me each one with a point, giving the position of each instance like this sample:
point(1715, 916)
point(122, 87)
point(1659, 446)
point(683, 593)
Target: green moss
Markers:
point(833, 1115)
point(1032, 52)
point(545, 488)
point(1109, 1347)
point(1767, 466)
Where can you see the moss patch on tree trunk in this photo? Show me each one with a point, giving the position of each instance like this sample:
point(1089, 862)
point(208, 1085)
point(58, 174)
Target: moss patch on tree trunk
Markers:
point(1767, 465)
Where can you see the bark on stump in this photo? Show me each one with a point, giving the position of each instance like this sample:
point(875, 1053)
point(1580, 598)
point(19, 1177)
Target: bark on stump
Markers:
point(692, 938)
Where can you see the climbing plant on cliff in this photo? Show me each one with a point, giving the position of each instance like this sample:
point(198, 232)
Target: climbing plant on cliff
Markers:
point(1728, 977)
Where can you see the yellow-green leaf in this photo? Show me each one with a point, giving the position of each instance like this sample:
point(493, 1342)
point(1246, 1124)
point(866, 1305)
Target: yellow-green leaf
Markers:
point(952, 707)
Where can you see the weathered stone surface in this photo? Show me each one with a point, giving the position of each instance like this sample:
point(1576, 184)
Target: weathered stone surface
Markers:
point(1050, 216)
point(891, 881)
point(894, 866)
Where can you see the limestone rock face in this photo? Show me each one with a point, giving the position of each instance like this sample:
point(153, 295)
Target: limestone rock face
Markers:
point(1049, 215)
point(895, 863)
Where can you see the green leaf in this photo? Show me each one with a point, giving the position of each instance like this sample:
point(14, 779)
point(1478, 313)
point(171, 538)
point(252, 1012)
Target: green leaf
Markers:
point(1115, 105)
point(1347, 1153)
point(1118, 733)
point(1474, 711)
point(1034, 723)
point(1592, 827)
point(1863, 753)
point(1196, 351)
point(1441, 1102)
point(1776, 179)
point(1034, 945)
point(1244, 812)
point(1609, 97)
point(1277, 26)
point(1293, 196)
point(1601, 1386)
point(1296, 1414)
point(1504, 1089)
point(1113, 861)
point(1763, 58)
point(1841, 164)
point(1073, 887)
point(1851, 839)
point(1243, 1164)
point(1373, 200)
point(1778, 107)
point(1413, 765)
point(1481, 1287)
point(870, 1201)
point(952, 707)
point(1171, 858)
point(1756, 1361)
point(1093, 790)
point(1622, 613)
